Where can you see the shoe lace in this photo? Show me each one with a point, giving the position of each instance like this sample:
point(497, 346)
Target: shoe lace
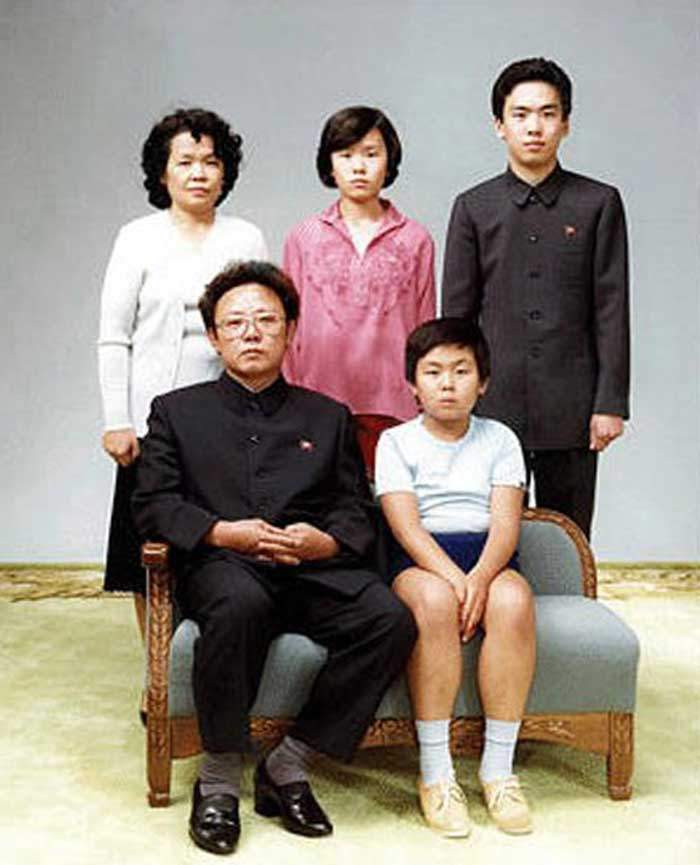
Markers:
point(509, 792)
point(451, 790)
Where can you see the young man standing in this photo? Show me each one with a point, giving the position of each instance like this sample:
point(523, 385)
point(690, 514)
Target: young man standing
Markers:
point(539, 255)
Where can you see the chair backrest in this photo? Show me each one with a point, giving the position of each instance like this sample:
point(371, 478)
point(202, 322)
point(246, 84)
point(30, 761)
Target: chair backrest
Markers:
point(368, 428)
point(555, 556)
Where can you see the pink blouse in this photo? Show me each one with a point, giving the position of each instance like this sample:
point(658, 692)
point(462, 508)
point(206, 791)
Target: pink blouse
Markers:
point(357, 310)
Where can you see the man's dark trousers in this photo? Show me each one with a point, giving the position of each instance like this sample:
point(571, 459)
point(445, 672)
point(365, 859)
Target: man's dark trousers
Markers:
point(565, 482)
point(241, 607)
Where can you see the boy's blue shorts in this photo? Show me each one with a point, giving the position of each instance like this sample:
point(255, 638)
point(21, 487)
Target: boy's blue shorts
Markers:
point(464, 548)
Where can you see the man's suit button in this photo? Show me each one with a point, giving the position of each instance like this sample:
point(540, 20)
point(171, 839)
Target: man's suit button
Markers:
point(535, 315)
point(533, 238)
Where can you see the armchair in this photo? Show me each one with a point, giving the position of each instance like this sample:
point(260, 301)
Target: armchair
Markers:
point(583, 693)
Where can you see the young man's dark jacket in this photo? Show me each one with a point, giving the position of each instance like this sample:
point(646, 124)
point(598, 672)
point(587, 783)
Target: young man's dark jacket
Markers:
point(545, 271)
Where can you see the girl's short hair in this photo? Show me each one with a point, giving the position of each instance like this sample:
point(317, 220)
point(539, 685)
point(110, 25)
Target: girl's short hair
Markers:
point(464, 332)
point(198, 122)
point(350, 125)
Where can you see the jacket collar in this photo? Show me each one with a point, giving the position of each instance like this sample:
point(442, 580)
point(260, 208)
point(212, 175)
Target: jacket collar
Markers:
point(241, 399)
point(547, 190)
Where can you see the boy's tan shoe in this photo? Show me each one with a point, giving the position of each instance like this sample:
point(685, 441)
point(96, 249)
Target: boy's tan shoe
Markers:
point(444, 807)
point(507, 805)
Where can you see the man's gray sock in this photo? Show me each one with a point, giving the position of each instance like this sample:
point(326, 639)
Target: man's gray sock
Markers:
point(221, 773)
point(289, 761)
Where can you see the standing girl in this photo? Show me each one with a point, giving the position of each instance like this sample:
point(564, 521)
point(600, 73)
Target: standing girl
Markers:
point(363, 270)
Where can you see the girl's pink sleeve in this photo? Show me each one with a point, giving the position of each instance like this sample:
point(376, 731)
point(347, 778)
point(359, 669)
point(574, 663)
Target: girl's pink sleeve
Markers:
point(292, 265)
point(426, 280)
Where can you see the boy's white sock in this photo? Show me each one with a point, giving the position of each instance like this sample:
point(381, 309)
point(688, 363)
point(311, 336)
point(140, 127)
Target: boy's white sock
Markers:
point(434, 751)
point(500, 738)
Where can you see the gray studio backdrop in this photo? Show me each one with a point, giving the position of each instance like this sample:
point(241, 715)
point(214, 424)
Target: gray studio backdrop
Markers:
point(82, 80)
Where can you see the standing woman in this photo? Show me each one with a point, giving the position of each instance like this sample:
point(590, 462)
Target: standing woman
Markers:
point(151, 334)
point(363, 270)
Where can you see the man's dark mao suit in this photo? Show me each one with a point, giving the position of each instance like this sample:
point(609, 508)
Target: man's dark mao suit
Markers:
point(545, 271)
point(218, 451)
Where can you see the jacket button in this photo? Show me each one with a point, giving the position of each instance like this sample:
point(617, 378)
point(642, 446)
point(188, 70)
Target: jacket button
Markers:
point(532, 238)
point(535, 315)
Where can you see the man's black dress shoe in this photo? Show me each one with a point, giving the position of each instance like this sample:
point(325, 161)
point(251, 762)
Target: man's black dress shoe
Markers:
point(294, 803)
point(214, 823)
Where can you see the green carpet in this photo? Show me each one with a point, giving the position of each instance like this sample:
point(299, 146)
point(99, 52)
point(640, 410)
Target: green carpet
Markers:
point(72, 763)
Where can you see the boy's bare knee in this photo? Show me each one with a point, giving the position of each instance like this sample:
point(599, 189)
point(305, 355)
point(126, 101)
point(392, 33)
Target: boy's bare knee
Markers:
point(511, 602)
point(431, 599)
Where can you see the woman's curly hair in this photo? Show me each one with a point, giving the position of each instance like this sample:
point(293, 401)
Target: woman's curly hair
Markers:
point(198, 122)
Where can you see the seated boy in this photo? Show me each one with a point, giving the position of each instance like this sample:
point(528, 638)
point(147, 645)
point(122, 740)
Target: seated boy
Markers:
point(451, 487)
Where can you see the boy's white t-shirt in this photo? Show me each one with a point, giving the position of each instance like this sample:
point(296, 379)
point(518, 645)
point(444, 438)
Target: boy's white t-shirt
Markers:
point(451, 480)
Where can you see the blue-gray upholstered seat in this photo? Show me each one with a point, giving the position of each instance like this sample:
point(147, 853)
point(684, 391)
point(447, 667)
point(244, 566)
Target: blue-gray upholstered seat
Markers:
point(586, 661)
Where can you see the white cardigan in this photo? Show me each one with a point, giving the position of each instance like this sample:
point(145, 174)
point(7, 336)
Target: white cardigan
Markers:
point(152, 274)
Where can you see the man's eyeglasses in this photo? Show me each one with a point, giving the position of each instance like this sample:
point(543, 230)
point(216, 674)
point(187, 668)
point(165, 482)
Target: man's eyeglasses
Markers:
point(268, 323)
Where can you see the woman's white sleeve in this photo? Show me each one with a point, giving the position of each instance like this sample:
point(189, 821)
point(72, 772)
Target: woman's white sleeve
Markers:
point(120, 297)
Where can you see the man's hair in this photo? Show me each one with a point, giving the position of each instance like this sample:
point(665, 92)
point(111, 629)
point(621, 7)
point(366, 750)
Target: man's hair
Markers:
point(350, 125)
point(463, 332)
point(532, 69)
point(198, 122)
point(242, 273)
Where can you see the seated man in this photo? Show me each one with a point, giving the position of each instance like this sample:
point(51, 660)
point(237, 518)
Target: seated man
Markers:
point(260, 488)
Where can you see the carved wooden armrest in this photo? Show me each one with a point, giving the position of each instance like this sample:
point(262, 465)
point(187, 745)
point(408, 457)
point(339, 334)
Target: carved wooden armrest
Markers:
point(159, 619)
point(154, 554)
